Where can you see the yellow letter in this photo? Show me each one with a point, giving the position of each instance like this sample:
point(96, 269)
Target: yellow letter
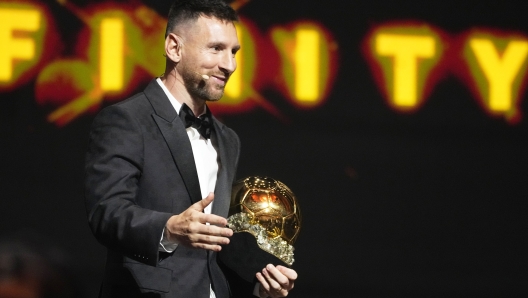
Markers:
point(111, 49)
point(405, 50)
point(307, 54)
point(500, 72)
point(16, 48)
point(306, 57)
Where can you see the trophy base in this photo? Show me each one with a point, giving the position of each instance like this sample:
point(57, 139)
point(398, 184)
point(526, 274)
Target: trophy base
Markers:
point(243, 256)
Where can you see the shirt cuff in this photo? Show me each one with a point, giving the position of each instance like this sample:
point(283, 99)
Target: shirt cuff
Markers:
point(165, 245)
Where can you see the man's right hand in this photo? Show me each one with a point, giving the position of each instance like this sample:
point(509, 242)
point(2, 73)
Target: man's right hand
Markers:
point(190, 227)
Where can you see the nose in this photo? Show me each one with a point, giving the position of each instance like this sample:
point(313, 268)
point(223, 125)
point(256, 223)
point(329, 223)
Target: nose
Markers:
point(228, 63)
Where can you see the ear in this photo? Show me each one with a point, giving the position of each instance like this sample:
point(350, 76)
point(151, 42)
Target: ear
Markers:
point(173, 47)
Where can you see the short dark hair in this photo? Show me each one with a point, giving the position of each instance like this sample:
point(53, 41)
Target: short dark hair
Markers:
point(185, 10)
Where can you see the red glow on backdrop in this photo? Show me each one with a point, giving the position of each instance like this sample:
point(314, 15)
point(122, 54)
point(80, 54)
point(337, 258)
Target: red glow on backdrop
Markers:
point(121, 47)
point(82, 78)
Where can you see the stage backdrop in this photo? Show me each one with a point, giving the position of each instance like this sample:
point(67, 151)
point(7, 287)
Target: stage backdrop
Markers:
point(400, 125)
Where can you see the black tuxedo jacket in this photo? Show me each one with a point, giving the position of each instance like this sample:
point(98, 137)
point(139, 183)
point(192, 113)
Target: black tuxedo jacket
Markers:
point(140, 170)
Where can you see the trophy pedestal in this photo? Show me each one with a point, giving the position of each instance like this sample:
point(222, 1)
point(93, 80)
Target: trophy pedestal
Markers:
point(243, 256)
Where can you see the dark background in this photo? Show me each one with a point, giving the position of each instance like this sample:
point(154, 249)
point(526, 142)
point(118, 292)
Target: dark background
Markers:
point(426, 204)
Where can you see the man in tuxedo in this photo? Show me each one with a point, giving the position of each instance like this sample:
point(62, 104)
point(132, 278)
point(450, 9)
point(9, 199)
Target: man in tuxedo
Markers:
point(158, 179)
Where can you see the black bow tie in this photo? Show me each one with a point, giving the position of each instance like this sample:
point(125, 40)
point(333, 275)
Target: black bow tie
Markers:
point(203, 123)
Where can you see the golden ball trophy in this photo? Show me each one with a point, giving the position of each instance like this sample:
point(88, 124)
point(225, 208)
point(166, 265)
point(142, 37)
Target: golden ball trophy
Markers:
point(265, 217)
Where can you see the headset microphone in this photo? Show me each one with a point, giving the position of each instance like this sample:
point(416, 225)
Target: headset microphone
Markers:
point(205, 77)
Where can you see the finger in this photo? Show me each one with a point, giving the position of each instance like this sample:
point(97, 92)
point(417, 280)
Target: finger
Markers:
point(191, 215)
point(205, 242)
point(217, 231)
point(200, 229)
point(288, 272)
point(216, 220)
point(211, 247)
point(200, 206)
point(263, 283)
point(208, 239)
point(277, 277)
point(275, 286)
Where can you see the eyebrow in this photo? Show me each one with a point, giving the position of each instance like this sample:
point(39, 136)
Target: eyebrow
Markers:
point(219, 43)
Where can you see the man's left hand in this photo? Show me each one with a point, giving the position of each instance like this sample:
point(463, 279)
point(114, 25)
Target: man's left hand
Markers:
point(276, 281)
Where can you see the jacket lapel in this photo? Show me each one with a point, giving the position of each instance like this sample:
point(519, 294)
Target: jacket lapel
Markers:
point(176, 137)
point(223, 182)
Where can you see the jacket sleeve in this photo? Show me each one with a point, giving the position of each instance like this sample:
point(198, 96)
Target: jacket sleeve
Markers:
point(113, 168)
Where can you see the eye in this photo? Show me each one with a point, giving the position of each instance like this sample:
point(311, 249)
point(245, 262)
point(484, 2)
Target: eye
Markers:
point(216, 48)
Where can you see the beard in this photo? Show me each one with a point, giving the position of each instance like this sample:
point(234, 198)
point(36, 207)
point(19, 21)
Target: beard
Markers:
point(200, 88)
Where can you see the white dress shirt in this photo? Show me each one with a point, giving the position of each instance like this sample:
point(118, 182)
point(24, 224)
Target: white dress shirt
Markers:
point(205, 158)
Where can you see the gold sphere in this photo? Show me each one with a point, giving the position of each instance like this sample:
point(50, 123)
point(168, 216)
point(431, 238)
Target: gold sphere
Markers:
point(269, 210)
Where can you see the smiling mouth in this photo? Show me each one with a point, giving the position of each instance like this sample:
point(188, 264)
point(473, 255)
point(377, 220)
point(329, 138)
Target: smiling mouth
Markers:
point(220, 80)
